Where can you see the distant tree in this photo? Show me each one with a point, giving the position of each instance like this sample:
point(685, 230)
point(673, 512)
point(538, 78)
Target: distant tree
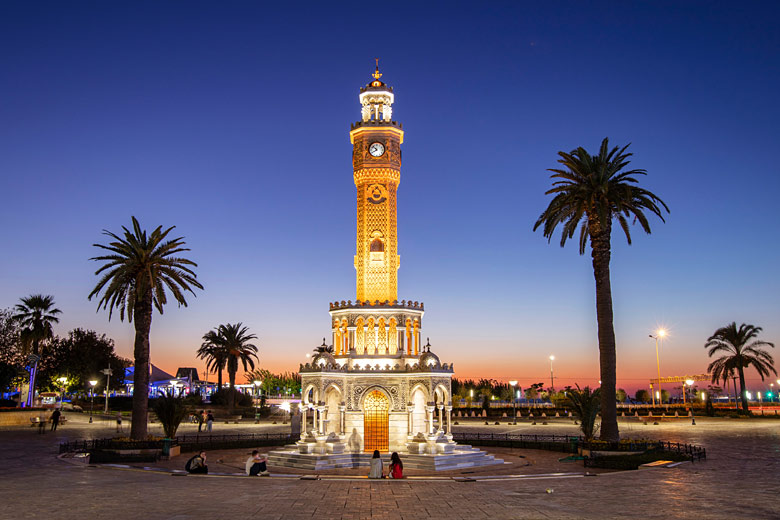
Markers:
point(714, 391)
point(36, 315)
point(81, 356)
point(134, 276)
point(591, 193)
point(664, 396)
point(739, 350)
point(642, 396)
point(234, 340)
point(215, 355)
point(621, 395)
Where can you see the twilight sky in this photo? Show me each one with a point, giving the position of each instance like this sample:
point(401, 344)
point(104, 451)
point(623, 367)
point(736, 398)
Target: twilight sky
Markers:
point(230, 120)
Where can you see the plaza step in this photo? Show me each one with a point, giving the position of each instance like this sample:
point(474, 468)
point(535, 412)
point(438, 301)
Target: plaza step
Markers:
point(462, 457)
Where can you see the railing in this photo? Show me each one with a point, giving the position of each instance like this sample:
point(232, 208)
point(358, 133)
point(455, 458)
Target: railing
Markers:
point(570, 444)
point(186, 442)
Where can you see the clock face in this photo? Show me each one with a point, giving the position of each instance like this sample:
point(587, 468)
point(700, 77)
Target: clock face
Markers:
point(376, 149)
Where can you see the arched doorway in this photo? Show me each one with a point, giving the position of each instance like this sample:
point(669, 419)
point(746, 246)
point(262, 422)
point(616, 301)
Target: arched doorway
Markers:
point(375, 421)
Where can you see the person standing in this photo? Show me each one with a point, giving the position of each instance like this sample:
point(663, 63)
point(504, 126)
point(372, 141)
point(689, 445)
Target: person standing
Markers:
point(201, 416)
point(209, 421)
point(119, 422)
point(256, 465)
point(55, 419)
point(376, 470)
point(396, 466)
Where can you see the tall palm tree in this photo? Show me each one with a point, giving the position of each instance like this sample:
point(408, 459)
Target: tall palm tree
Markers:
point(234, 340)
point(135, 275)
point(214, 354)
point(739, 352)
point(592, 191)
point(36, 315)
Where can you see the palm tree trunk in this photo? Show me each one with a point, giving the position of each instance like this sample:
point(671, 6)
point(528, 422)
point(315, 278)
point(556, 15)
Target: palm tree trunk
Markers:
point(743, 394)
point(142, 317)
point(600, 244)
point(231, 390)
point(219, 377)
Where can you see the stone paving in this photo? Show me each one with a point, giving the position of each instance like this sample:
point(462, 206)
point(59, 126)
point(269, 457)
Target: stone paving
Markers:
point(740, 479)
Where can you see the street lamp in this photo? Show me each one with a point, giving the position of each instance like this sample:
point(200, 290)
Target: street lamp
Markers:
point(92, 384)
point(64, 381)
point(514, 403)
point(257, 383)
point(690, 382)
point(659, 335)
point(107, 372)
point(552, 378)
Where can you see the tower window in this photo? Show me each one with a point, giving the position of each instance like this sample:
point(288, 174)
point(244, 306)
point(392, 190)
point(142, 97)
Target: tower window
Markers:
point(377, 246)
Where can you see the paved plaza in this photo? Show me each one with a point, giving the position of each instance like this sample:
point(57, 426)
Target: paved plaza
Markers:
point(739, 479)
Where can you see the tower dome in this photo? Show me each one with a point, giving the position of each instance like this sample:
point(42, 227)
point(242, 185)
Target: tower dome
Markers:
point(428, 358)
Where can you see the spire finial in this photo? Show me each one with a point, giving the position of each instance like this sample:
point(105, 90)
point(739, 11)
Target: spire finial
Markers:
point(376, 75)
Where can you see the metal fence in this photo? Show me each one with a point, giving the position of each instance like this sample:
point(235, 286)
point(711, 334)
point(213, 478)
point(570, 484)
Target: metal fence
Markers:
point(571, 444)
point(186, 442)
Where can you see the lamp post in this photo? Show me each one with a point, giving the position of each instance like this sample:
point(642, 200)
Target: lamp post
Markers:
point(257, 383)
point(514, 402)
point(690, 382)
point(659, 335)
point(107, 372)
point(92, 384)
point(552, 377)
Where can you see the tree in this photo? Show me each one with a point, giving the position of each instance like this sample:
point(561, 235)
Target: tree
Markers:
point(642, 396)
point(234, 340)
point(171, 411)
point(621, 395)
point(214, 354)
point(740, 350)
point(81, 356)
point(36, 315)
point(585, 406)
point(591, 193)
point(134, 278)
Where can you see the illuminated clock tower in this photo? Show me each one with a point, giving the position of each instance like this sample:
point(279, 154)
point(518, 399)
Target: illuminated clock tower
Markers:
point(376, 162)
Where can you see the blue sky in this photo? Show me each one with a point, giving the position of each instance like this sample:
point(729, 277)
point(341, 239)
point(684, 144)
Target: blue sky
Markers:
point(230, 120)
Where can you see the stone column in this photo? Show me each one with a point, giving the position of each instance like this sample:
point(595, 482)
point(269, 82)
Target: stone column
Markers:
point(441, 418)
point(304, 419)
point(430, 409)
point(449, 420)
point(321, 417)
point(342, 418)
point(409, 419)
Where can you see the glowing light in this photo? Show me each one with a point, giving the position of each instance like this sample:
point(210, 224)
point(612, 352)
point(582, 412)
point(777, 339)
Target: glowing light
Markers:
point(552, 358)
point(689, 382)
point(92, 383)
point(513, 383)
point(703, 396)
point(258, 382)
point(285, 406)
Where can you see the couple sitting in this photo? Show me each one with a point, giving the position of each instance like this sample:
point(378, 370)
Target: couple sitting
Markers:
point(255, 465)
point(396, 469)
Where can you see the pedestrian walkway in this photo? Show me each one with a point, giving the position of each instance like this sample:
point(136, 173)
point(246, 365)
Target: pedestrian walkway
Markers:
point(738, 480)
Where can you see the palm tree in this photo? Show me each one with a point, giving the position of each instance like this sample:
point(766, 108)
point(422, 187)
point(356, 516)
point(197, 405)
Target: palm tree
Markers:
point(214, 354)
point(594, 190)
point(36, 315)
point(234, 339)
point(739, 352)
point(135, 275)
point(585, 406)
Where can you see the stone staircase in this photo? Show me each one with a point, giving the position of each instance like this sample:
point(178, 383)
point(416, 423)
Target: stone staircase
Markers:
point(462, 457)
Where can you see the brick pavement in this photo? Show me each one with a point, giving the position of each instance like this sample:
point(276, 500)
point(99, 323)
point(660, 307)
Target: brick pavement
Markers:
point(738, 480)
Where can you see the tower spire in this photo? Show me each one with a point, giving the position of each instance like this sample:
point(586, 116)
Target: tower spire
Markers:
point(376, 75)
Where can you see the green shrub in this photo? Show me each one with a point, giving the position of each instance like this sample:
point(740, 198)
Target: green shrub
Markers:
point(170, 411)
point(220, 398)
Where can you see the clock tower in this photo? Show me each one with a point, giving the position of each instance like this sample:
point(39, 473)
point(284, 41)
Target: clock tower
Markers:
point(376, 163)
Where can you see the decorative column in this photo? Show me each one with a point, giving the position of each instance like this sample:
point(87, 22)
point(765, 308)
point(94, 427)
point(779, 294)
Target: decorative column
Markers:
point(304, 419)
point(321, 413)
point(430, 409)
point(441, 417)
point(409, 419)
point(342, 418)
point(449, 420)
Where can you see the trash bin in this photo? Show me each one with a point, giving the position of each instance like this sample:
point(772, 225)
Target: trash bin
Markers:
point(166, 447)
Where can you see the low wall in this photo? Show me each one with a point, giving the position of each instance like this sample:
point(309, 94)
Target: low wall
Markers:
point(21, 417)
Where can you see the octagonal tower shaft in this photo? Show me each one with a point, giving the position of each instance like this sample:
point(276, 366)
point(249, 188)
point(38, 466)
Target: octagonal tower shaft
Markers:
point(376, 162)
